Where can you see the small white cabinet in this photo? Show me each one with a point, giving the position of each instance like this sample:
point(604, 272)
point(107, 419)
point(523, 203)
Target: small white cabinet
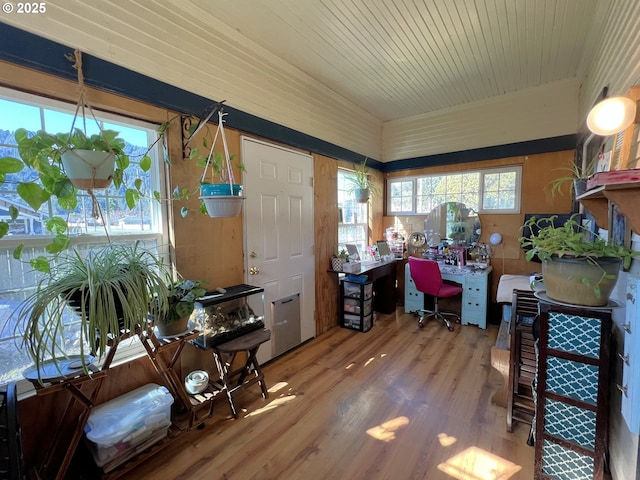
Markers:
point(630, 367)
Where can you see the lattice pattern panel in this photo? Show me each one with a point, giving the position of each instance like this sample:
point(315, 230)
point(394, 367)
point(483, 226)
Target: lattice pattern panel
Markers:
point(574, 333)
point(572, 379)
point(563, 464)
point(570, 423)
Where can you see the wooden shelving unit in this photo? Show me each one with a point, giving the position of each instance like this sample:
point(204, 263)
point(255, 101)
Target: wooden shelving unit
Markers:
point(613, 187)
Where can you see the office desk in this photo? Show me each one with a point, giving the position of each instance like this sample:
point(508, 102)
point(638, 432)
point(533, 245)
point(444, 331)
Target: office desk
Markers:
point(383, 276)
point(474, 293)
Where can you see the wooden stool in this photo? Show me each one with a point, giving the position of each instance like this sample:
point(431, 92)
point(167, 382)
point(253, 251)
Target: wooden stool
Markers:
point(224, 356)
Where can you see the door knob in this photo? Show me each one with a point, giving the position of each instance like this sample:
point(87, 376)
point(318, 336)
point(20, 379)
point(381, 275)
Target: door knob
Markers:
point(254, 270)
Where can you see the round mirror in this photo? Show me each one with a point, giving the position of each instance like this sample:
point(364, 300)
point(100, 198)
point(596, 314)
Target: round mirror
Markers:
point(454, 223)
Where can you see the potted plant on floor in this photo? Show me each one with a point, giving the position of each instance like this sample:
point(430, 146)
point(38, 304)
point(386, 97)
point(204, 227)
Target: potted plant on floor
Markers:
point(360, 184)
point(111, 289)
point(575, 268)
point(182, 296)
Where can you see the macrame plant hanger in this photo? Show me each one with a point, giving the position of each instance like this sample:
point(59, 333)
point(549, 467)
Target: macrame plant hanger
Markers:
point(226, 171)
point(82, 104)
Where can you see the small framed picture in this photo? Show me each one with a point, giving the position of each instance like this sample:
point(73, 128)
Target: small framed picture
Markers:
point(619, 228)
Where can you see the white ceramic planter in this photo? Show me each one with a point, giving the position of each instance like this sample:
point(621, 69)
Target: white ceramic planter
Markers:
point(223, 205)
point(88, 169)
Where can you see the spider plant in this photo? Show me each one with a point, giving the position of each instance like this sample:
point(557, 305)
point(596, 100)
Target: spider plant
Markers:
point(113, 289)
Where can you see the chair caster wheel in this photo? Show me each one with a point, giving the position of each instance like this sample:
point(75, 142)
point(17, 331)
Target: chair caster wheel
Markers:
point(450, 329)
point(420, 324)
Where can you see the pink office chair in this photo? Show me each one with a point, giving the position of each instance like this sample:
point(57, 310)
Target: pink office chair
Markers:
point(428, 279)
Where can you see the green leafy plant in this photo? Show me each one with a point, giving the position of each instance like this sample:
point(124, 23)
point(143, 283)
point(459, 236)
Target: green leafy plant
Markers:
point(360, 179)
point(42, 153)
point(342, 254)
point(111, 289)
point(571, 174)
point(572, 240)
point(569, 239)
point(182, 297)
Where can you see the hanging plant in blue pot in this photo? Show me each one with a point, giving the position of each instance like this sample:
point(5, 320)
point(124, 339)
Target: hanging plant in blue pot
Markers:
point(221, 196)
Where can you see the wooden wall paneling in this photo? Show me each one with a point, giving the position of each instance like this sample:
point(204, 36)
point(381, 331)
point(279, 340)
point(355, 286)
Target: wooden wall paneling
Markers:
point(43, 84)
point(538, 171)
point(325, 182)
point(376, 208)
point(206, 248)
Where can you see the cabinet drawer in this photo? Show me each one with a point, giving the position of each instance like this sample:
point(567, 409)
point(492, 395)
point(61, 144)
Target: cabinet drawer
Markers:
point(358, 290)
point(570, 423)
point(572, 379)
point(357, 322)
point(574, 333)
point(357, 307)
point(561, 463)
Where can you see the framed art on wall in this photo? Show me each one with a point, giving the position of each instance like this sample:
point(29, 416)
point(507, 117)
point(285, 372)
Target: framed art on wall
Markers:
point(619, 228)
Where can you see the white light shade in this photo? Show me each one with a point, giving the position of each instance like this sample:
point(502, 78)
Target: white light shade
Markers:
point(611, 116)
point(495, 238)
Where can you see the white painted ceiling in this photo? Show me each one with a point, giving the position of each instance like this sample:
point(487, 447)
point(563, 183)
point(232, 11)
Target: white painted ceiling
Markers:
point(390, 79)
point(400, 58)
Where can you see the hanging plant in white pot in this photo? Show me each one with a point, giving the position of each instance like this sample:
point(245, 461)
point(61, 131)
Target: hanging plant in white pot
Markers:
point(222, 196)
point(360, 185)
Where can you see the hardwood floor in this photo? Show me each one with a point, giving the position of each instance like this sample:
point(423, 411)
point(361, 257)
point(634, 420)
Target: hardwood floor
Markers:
point(398, 402)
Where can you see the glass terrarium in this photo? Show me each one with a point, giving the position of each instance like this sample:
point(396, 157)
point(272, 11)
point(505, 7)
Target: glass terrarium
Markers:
point(222, 316)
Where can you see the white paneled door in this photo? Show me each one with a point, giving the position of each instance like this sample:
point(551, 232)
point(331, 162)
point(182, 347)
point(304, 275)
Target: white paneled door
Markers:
point(279, 235)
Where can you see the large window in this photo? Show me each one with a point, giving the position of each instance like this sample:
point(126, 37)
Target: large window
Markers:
point(353, 226)
point(494, 190)
point(146, 223)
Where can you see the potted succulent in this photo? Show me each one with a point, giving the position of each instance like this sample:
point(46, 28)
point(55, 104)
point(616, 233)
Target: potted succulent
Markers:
point(360, 185)
point(339, 259)
point(182, 296)
point(575, 268)
point(112, 289)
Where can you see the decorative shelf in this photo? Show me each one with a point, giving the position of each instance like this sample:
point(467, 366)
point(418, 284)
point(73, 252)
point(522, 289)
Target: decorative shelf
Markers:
point(619, 187)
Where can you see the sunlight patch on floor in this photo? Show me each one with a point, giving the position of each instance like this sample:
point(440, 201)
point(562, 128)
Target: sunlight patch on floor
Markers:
point(278, 402)
point(387, 431)
point(477, 464)
point(277, 386)
point(446, 440)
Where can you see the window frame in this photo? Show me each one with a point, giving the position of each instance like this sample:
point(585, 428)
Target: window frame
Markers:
point(364, 225)
point(517, 169)
point(160, 213)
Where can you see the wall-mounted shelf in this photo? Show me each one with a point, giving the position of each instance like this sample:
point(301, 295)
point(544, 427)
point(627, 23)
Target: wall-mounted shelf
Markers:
point(623, 192)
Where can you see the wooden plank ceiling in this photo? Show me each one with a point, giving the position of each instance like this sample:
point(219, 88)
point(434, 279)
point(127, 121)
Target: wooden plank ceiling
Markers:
point(390, 79)
point(400, 58)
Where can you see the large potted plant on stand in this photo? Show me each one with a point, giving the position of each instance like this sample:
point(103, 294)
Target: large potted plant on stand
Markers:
point(111, 290)
point(576, 268)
